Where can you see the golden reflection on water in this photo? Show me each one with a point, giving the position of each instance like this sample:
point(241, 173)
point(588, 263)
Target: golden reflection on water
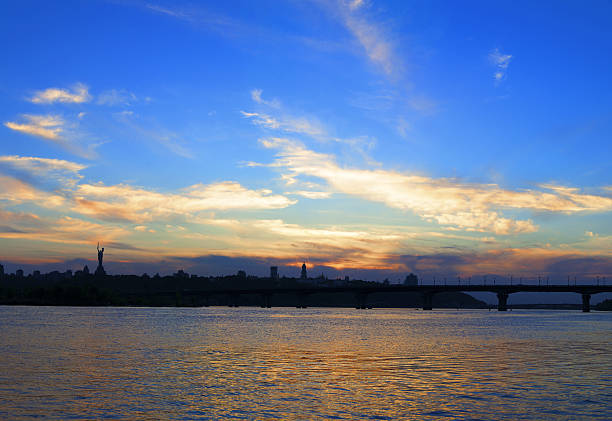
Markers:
point(217, 363)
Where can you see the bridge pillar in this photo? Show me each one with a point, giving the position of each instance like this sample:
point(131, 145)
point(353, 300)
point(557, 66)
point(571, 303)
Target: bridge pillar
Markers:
point(586, 303)
point(266, 300)
point(301, 301)
point(428, 301)
point(233, 300)
point(361, 300)
point(502, 301)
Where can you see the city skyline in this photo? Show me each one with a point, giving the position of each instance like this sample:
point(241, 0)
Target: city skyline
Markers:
point(362, 138)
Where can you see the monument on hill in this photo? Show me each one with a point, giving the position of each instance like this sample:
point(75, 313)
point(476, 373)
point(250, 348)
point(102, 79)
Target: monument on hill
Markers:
point(100, 269)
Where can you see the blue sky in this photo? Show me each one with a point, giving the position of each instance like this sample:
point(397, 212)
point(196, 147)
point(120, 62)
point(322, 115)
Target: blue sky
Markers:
point(363, 137)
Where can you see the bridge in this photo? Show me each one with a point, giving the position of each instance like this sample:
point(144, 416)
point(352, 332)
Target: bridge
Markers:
point(427, 292)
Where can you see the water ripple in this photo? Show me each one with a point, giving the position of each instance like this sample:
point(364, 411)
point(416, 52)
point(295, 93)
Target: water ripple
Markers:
point(215, 363)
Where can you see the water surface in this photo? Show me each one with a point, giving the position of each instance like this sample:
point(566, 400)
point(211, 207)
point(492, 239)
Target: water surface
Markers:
point(244, 363)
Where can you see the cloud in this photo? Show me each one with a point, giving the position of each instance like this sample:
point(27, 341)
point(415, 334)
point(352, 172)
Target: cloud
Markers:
point(166, 138)
point(127, 203)
point(42, 166)
point(21, 225)
point(45, 126)
point(371, 36)
point(446, 201)
point(355, 4)
point(175, 13)
point(78, 95)
point(301, 125)
point(336, 246)
point(287, 123)
point(501, 63)
point(116, 97)
point(123, 202)
point(66, 172)
point(312, 194)
point(54, 128)
point(15, 191)
point(366, 247)
point(200, 17)
point(143, 228)
point(256, 96)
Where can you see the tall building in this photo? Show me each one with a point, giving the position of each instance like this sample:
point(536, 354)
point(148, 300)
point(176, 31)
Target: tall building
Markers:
point(274, 272)
point(304, 274)
point(411, 280)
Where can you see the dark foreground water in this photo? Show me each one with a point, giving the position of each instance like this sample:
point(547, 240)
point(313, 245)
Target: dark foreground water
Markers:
point(217, 363)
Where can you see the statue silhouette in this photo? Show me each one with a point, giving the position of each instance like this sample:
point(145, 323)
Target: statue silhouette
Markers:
point(100, 270)
point(100, 255)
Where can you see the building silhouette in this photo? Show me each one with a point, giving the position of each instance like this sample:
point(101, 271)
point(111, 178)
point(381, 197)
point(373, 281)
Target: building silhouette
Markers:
point(411, 280)
point(274, 272)
point(304, 274)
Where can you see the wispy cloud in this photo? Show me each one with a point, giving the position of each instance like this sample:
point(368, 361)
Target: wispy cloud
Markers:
point(256, 96)
point(355, 4)
point(448, 202)
point(14, 191)
point(151, 131)
point(288, 124)
point(78, 95)
point(42, 166)
point(203, 18)
point(45, 126)
point(57, 130)
point(116, 97)
point(501, 63)
point(175, 13)
point(371, 35)
point(66, 172)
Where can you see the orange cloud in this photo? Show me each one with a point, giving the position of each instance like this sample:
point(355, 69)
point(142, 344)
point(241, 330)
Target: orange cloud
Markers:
point(123, 202)
point(15, 191)
point(78, 95)
point(449, 202)
point(45, 126)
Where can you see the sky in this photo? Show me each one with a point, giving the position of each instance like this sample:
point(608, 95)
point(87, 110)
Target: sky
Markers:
point(366, 138)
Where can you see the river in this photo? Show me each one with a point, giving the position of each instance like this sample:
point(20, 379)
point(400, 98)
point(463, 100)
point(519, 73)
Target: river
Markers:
point(284, 363)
